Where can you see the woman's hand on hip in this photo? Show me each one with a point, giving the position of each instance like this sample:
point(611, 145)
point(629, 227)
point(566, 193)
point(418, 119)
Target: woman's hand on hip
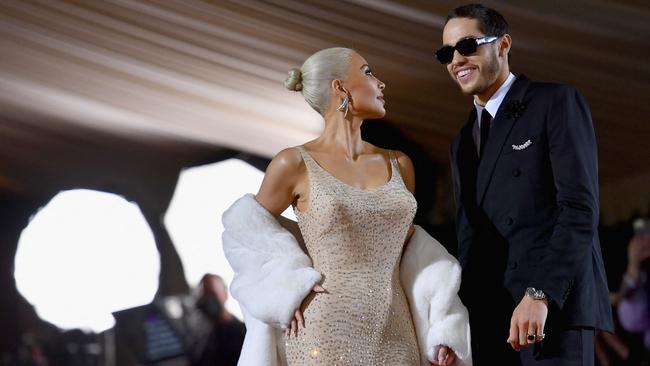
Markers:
point(298, 319)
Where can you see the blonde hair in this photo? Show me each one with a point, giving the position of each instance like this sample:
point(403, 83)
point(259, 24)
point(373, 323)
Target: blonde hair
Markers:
point(315, 76)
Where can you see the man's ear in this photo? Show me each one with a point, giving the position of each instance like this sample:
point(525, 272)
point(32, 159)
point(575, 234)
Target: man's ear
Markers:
point(505, 44)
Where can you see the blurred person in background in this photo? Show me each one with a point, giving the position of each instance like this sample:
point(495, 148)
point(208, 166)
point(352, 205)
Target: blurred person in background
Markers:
point(633, 305)
point(226, 335)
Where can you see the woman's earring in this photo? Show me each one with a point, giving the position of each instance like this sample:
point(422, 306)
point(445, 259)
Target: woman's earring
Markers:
point(345, 103)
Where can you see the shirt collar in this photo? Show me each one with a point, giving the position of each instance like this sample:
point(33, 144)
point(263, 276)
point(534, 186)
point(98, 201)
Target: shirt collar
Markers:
point(496, 99)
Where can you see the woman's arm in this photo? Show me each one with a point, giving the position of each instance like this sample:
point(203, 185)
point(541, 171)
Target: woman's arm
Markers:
point(445, 355)
point(430, 277)
point(278, 189)
point(408, 176)
point(277, 192)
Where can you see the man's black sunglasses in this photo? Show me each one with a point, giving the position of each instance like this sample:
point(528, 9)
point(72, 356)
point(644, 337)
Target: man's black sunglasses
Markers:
point(465, 47)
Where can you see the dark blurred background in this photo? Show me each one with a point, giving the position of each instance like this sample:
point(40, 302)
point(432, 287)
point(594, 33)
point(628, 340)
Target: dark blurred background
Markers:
point(122, 97)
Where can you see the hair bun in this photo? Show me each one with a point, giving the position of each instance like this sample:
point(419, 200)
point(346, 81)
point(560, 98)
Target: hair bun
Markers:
point(294, 80)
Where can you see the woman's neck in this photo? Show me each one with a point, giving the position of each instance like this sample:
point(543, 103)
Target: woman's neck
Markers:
point(342, 135)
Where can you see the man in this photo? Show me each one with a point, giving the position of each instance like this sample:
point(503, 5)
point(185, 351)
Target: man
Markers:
point(222, 343)
point(525, 179)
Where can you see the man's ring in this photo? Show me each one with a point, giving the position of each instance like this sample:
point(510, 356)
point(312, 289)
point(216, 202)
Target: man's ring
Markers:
point(540, 336)
point(531, 337)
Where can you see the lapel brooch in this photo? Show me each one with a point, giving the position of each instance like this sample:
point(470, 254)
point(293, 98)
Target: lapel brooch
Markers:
point(514, 109)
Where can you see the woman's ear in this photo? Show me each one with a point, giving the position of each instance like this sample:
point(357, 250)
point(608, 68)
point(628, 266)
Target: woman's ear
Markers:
point(337, 88)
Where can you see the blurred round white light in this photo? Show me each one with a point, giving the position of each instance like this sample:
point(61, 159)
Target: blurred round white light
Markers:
point(84, 255)
point(193, 219)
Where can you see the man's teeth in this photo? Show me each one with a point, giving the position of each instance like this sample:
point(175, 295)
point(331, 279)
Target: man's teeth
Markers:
point(463, 73)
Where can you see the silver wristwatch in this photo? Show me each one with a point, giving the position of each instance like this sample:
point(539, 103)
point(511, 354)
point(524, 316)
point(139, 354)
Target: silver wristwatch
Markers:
point(536, 294)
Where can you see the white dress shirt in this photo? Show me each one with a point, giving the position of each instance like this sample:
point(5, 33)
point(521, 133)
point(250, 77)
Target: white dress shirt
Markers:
point(492, 107)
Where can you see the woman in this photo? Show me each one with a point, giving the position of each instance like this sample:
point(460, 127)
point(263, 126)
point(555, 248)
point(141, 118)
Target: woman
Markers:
point(355, 208)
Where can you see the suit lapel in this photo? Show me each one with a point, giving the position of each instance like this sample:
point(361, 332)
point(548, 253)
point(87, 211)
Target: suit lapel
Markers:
point(502, 124)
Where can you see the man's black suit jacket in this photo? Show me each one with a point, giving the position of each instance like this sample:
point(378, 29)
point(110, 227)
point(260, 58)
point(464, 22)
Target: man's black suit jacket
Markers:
point(527, 210)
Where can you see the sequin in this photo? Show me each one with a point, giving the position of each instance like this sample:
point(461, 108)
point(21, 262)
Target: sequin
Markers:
point(355, 239)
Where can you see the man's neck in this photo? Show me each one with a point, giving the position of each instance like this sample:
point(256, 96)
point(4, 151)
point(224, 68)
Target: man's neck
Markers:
point(483, 98)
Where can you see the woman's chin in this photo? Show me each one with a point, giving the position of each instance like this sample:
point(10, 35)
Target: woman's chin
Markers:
point(378, 114)
point(371, 113)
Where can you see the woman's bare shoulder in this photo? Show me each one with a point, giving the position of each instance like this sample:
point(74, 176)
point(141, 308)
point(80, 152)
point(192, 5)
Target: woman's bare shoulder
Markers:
point(406, 168)
point(287, 160)
point(282, 175)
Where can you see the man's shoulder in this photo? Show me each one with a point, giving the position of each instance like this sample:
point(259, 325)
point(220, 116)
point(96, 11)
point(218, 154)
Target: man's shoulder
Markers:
point(550, 88)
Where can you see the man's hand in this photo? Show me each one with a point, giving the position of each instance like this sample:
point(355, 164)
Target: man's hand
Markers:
point(528, 318)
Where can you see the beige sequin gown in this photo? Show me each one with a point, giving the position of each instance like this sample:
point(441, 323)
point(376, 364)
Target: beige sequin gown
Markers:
point(355, 239)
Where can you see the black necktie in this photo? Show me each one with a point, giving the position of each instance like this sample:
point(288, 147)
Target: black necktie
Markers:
point(486, 120)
